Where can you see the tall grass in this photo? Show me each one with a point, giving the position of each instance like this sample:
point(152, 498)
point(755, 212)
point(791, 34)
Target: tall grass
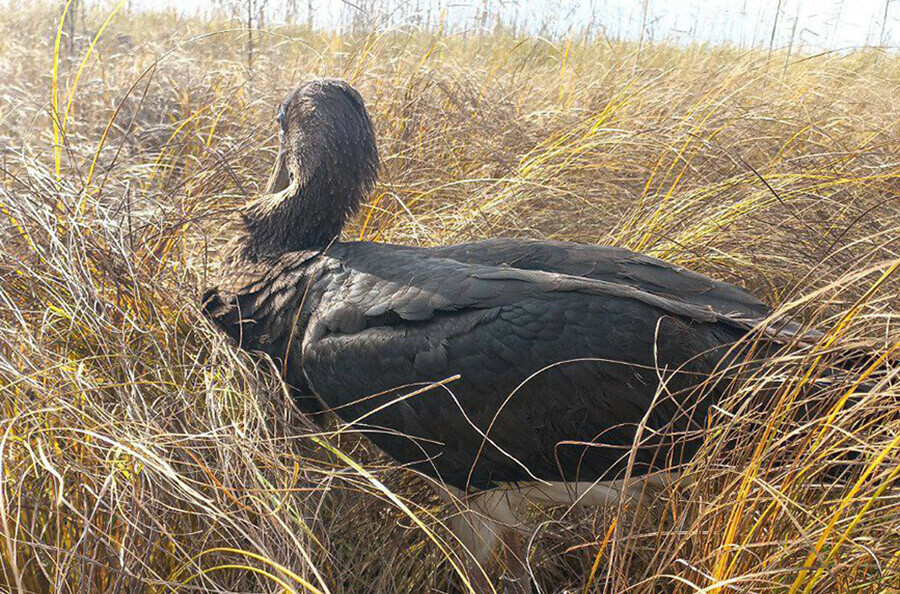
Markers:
point(139, 451)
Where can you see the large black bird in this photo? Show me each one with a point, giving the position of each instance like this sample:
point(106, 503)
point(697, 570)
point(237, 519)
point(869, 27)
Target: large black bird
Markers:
point(550, 369)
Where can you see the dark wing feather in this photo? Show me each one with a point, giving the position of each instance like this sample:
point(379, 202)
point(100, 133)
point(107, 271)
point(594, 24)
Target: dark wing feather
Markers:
point(389, 318)
point(611, 264)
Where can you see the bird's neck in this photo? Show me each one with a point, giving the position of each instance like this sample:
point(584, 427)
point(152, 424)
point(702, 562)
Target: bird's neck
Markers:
point(301, 217)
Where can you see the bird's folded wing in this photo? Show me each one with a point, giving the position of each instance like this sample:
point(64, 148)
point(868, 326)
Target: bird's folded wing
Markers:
point(611, 264)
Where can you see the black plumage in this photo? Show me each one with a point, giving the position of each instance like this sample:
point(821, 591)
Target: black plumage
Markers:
point(562, 350)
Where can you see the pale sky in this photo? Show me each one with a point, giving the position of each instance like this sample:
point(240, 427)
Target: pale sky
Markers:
point(820, 24)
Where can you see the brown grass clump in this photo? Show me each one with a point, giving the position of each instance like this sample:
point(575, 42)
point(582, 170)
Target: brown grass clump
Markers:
point(139, 451)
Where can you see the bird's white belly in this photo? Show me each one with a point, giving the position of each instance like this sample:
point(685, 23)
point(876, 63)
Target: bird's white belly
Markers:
point(503, 504)
point(586, 493)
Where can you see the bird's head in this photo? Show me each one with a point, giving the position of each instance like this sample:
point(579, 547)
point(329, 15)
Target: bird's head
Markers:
point(326, 165)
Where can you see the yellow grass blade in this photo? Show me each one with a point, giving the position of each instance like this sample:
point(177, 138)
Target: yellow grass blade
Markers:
point(84, 61)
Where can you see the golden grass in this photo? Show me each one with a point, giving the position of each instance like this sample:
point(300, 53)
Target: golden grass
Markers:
point(139, 451)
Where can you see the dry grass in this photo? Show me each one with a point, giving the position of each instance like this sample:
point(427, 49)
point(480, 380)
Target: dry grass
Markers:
point(140, 452)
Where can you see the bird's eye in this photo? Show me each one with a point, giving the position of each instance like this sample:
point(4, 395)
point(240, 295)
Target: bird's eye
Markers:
point(282, 120)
